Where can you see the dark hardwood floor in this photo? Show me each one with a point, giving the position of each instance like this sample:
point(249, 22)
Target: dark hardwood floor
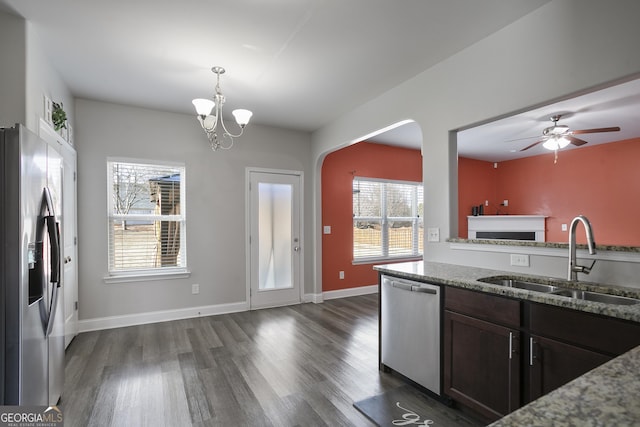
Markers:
point(298, 365)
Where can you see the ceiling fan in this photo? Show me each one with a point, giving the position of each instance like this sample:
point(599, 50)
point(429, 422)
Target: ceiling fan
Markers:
point(559, 136)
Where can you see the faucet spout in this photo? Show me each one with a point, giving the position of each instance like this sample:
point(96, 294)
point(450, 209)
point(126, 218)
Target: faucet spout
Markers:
point(574, 268)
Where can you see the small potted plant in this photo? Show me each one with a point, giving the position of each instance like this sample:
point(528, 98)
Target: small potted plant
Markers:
point(58, 116)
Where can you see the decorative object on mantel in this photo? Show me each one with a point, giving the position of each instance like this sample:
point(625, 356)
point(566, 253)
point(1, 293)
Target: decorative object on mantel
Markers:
point(209, 122)
point(58, 116)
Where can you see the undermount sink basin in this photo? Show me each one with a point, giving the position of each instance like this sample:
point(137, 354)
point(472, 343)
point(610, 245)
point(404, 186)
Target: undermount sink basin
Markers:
point(521, 284)
point(560, 291)
point(597, 297)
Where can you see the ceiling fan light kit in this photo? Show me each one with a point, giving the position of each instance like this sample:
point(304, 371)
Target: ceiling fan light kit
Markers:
point(558, 136)
point(209, 115)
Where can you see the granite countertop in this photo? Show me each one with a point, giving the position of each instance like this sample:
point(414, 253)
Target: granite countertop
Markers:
point(530, 243)
point(467, 277)
point(605, 396)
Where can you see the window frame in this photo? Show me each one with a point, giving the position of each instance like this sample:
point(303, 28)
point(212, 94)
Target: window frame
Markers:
point(144, 274)
point(385, 219)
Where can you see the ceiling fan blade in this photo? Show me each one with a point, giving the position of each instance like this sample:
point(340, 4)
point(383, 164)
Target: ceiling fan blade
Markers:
point(597, 130)
point(531, 146)
point(522, 139)
point(576, 141)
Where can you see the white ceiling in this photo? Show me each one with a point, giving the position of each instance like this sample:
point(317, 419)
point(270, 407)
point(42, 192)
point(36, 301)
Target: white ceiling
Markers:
point(500, 140)
point(297, 64)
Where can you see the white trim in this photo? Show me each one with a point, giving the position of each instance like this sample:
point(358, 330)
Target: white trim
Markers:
point(147, 276)
point(350, 292)
point(110, 322)
point(247, 214)
point(314, 298)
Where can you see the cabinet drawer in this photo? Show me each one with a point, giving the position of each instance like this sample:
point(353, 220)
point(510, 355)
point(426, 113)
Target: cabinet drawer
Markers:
point(602, 334)
point(483, 306)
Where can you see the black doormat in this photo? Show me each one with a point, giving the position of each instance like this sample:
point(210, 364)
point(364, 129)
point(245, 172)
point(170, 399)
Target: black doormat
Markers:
point(407, 406)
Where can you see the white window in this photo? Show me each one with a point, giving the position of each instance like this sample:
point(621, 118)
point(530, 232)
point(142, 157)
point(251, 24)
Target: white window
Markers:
point(387, 220)
point(147, 218)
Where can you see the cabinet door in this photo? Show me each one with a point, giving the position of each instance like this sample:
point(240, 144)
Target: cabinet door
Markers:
point(481, 365)
point(553, 364)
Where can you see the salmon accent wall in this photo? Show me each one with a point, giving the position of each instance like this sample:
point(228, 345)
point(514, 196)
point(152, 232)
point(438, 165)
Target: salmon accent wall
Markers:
point(601, 182)
point(338, 169)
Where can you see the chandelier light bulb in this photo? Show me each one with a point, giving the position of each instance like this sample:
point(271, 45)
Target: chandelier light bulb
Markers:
point(203, 106)
point(209, 114)
point(242, 116)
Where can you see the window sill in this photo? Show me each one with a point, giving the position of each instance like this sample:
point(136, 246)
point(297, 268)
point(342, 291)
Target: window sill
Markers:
point(147, 276)
point(385, 260)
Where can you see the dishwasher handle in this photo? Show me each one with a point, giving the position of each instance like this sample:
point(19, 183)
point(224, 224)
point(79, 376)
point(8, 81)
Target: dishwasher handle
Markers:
point(400, 285)
point(424, 290)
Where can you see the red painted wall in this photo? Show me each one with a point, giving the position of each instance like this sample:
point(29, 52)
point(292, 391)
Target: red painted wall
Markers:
point(476, 184)
point(338, 169)
point(601, 182)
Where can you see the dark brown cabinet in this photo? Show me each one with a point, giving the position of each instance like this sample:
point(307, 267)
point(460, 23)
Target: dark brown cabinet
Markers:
point(482, 352)
point(500, 353)
point(564, 344)
point(553, 364)
point(482, 365)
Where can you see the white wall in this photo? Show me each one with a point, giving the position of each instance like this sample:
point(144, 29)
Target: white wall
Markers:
point(215, 204)
point(42, 79)
point(564, 47)
point(12, 70)
point(25, 75)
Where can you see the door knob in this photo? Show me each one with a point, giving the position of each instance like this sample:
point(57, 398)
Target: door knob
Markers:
point(296, 248)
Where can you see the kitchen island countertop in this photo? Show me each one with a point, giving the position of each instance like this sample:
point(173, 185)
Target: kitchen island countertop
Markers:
point(605, 396)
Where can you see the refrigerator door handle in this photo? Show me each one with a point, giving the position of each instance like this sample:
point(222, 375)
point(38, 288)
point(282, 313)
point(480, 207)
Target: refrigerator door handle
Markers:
point(53, 228)
point(52, 309)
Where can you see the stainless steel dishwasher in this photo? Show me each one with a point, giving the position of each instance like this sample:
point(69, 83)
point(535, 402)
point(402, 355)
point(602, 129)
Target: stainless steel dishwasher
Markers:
point(410, 330)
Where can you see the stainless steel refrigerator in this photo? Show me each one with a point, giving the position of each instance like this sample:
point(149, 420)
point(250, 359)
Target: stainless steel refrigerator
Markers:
point(31, 302)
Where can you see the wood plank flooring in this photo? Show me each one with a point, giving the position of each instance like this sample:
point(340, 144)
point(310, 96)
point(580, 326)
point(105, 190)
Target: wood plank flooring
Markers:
point(298, 365)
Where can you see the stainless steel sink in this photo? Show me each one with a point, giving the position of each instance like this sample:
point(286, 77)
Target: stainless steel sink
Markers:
point(559, 290)
point(596, 297)
point(520, 284)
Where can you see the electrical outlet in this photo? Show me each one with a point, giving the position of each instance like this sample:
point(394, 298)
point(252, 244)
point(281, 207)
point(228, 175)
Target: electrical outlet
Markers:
point(520, 260)
point(195, 288)
point(433, 234)
point(341, 274)
point(505, 202)
point(327, 229)
point(564, 227)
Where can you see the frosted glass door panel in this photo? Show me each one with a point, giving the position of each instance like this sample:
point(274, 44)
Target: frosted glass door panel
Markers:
point(275, 222)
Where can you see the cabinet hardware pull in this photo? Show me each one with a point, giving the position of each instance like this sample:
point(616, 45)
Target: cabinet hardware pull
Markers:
point(531, 343)
point(510, 345)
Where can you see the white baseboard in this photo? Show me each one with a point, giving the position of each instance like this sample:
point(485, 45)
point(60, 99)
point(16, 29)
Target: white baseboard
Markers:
point(351, 292)
point(159, 316)
point(314, 298)
point(100, 323)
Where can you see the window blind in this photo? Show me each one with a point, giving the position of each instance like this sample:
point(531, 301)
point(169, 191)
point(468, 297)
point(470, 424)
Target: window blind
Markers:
point(147, 220)
point(387, 219)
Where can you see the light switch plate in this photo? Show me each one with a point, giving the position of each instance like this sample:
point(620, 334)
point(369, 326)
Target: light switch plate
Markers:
point(433, 234)
point(520, 260)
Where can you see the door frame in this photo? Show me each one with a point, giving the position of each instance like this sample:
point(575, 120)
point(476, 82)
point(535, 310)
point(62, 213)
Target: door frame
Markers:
point(247, 247)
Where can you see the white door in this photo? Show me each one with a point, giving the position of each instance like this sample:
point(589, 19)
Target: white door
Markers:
point(66, 211)
point(275, 243)
point(69, 241)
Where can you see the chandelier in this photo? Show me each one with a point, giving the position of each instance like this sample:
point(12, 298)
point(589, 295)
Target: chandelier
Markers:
point(210, 115)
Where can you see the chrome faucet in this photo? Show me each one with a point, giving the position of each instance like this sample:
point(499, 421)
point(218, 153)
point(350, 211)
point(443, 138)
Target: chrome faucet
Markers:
point(574, 268)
